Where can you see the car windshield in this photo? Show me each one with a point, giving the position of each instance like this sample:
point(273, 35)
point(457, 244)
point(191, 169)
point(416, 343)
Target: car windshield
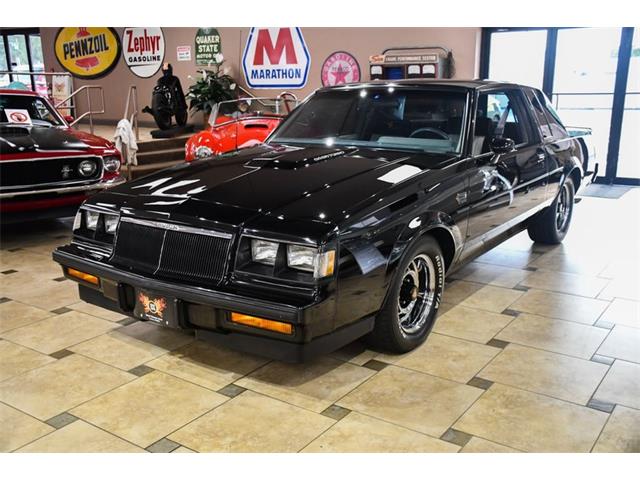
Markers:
point(386, 117)
point(39, 111)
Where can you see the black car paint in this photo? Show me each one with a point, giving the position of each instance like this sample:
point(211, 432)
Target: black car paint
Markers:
point(332, 196)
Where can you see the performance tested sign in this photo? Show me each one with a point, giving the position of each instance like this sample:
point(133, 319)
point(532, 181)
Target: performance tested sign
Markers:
point(143, 50)
point(87, 52)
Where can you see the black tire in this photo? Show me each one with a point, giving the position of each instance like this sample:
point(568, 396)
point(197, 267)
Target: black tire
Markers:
point(181, 117)
point(388, 333)
point(551, 225)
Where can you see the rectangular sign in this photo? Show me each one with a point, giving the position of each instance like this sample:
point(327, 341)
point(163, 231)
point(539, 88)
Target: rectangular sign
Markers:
point(183, 53)
point(18, 115)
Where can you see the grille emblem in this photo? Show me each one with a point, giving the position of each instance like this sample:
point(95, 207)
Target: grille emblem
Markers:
point(66, 171)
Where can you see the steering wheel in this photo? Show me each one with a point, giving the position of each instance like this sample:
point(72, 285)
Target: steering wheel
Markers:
point(436, 131)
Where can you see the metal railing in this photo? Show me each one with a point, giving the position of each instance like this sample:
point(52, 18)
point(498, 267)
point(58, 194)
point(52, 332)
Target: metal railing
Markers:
point(132, 101)
point(90, 112)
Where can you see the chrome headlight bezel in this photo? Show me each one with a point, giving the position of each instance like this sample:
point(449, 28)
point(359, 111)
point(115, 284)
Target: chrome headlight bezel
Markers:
point(95, 224)
point(203, 151)
point(111, 164)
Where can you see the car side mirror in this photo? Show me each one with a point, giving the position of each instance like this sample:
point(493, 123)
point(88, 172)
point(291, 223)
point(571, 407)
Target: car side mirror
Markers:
point(501, 145)
point(69, 118)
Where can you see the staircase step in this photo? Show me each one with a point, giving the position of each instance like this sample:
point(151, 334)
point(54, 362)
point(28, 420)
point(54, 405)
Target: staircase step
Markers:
point(162, 144)
point(160, 156)
point(138, 171)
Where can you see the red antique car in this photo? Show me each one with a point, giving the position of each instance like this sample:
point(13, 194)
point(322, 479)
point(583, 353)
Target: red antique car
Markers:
point(239, 123)
point(48, 168)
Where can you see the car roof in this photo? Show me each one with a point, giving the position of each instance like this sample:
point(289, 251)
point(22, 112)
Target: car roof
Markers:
point(474, 84)
point(15, 91)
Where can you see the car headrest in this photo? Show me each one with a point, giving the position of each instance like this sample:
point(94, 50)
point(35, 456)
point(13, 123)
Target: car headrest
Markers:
point(484, 126)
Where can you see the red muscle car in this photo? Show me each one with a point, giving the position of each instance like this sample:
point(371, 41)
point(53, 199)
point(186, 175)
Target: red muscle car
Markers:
point(47, 168)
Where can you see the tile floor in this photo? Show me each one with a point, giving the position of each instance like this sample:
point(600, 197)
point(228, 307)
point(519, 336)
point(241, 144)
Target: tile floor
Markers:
point(537, 349)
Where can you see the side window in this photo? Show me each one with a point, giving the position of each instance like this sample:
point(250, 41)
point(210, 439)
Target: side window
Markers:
point(540, 115)
point(498, 114)
point(557, 128)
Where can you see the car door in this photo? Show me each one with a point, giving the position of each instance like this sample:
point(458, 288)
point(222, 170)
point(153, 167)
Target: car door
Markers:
point(503, 188)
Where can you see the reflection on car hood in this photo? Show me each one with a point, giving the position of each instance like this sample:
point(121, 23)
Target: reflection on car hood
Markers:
point(21, 139)
point(310, 184)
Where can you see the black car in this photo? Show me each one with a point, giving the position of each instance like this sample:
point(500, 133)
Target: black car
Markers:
point(343, 225)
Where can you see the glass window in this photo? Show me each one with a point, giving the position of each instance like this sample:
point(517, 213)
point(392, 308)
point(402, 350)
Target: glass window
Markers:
point(4, 79)
point(41, 112)
point(518, 56)
point(394, 118)
point(19, 58)
point(37, 63)
point(497, 114)
point(629, 156)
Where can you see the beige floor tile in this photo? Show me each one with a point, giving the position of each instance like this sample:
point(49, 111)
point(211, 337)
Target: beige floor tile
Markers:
point(314, 385)
point(496, 275)
point(59, 386)
point(492, 299)
point(508, 258)
point(625, 287)
point(412, 399)
point(60, 331)
point(459, 290)
point(578, 264)
point(80, 437)
point(623, 342)
point(471, 324)
point(166, 338)
point(146, 410)
point(562, 306)
point(357, 433)
point(207, 365)
point(565, 283)
point(621, 385)
point(532, 422)
point(16, 314)
point(49, 295)
point(621, 434)
point(183, 450)
point(622, 312)
point(96, 311)
point(118, 350)
point(559, 376)
point(558, 336)
point(252, 422)
point(355, 353)
point(449, 358)
point(15, 359)
point(19, 429)
point(480, 445)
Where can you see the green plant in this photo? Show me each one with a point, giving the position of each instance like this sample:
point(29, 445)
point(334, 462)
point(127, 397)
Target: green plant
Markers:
point(212, 87)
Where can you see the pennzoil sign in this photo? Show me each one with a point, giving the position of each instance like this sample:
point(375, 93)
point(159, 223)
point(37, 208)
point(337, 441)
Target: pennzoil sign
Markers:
point(87, 52)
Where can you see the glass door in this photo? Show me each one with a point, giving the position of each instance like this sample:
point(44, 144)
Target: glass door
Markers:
point(629, 155)
point(518, 56)
point(584, 81)
point(21, 51)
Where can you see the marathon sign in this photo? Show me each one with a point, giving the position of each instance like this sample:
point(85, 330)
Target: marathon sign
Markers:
point(143, 50)
point(276, 58)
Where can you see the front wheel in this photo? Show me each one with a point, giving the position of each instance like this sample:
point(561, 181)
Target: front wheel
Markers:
point(413, 299)
point(551, 225)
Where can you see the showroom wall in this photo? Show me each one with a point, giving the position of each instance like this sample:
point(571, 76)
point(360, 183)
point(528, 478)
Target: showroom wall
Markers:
point(321, 42)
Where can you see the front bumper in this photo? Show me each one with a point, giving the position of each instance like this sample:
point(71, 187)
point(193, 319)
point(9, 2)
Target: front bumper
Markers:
point(207, 312)
point(89, 188)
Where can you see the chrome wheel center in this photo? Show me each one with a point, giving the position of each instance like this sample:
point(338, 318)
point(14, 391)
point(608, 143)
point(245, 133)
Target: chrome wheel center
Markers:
point(563, 209)
point(417, 293)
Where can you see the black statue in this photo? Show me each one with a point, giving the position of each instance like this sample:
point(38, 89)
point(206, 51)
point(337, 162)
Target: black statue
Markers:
point(168, 100)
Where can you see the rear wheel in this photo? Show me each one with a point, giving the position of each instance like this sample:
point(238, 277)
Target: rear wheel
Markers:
point(181, 117)
point(412, 301)
point(551, 225)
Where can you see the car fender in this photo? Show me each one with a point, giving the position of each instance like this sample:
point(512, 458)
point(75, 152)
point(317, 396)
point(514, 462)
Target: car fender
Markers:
point(201, 139)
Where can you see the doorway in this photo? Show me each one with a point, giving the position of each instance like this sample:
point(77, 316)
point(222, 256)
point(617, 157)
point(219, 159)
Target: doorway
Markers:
point(21, 51)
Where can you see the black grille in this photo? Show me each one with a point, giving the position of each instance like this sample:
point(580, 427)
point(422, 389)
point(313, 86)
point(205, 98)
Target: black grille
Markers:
point(198, 258)
point(45, 171)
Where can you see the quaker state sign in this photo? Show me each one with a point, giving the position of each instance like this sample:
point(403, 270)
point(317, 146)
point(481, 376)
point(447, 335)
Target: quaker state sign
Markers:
point(208, 46)
point(87, 52)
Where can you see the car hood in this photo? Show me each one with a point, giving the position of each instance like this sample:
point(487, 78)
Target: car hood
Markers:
point(16, 139)
point(310, 184)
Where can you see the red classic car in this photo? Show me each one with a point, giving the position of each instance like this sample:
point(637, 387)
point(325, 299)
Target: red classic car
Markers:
point(239, 123)
point(48, 168)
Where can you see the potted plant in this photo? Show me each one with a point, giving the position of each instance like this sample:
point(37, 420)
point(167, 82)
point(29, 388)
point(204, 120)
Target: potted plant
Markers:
point(214, 85)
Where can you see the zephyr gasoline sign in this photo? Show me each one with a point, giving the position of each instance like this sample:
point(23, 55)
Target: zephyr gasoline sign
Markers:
point(208, 46)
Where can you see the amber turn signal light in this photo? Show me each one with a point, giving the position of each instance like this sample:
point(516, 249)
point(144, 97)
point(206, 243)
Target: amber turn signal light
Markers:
point(85, 277)
point(262, 323)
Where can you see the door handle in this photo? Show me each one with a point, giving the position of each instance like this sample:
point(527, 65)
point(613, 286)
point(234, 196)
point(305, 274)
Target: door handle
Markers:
point(540, 156)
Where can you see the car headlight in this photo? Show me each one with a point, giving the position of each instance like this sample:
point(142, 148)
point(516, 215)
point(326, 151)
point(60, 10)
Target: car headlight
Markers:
point(91, 219)
point(309, 259)
point(263, 251)
point(86, 168)
point(111, 223)
point(111, 164)
point(203, 152)
point(77, 221)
